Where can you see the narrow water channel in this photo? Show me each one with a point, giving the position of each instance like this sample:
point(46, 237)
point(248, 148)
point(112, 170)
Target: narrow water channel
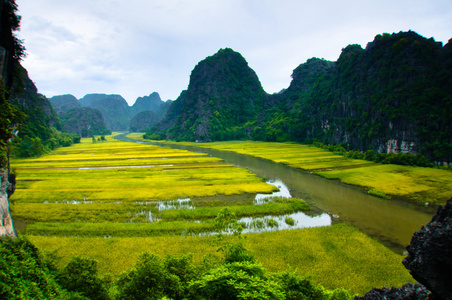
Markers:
point(392, 222)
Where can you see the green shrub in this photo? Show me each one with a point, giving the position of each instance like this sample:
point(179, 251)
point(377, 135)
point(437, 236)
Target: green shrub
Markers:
point(80, 275)
point(24, 274)
point(148, 280)
point(299, 288)
point(238, 253)
point(239, 280)
point(289, 221)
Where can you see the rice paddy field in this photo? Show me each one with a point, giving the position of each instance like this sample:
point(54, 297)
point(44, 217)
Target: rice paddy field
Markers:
point(112, 201)
point(421, 185)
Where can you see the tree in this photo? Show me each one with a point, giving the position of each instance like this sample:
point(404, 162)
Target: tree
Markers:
point(148, 280)
point(80, 275)
point(238, 280)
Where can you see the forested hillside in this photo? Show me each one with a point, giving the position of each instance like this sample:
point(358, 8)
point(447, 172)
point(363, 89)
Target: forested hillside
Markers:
point(392, 96)
point(114, 111)
point(224, 96)
point(27, 116)
point(64, 103)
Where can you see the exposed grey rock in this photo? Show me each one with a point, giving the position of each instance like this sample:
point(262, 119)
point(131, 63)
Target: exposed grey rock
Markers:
point(143, 120)
point(430, 254)
point(6, 189)
point(409, 291)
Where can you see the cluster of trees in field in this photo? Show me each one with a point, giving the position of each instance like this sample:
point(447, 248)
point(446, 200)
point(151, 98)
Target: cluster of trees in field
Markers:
point(233, 274)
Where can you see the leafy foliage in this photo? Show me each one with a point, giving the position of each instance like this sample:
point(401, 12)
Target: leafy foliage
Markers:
point(148, 280)
point(80, 275)
point(239, 280)
point(9, 117)
point(25, 275)
point(34, 146)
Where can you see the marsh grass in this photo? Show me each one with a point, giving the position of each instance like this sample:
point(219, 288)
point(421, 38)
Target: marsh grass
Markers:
point(119, 229)
point(336, 256)
point(174, 174)
point(79, 211)
point(83, 212)
point(417, 184)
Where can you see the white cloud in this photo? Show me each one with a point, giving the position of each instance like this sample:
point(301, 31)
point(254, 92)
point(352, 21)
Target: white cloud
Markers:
point(136, 47)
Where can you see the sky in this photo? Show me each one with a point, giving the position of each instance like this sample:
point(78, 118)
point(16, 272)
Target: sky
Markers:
point(137, 47)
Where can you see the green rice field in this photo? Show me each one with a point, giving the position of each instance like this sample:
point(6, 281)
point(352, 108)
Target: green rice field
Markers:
point(335, 256)
point(421, 185)
point(112, 201)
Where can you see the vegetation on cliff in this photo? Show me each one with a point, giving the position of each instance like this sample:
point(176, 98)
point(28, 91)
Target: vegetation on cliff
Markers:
point(83, 121)
point(142, 120)
point(64, 103)
point(28, 120)
point(392, 96)
point(224, 98)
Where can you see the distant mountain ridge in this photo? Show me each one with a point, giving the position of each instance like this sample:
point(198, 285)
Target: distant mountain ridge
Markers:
point(392, 96)
point(114, 110)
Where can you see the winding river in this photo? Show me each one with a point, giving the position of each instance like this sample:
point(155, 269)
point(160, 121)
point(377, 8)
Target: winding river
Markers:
point(392, 222)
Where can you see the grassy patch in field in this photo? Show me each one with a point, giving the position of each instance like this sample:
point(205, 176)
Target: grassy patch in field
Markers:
point(135, 213)
point(109, 229)
point(419, 184)
point(336, 256)
point(122, 171)
point(85, 212)
point(414, 183)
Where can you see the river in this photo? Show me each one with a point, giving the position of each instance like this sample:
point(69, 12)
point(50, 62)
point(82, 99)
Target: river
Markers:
point(392, 222)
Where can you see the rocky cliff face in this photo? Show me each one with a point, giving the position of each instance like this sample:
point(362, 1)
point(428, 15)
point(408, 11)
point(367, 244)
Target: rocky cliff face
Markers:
point(114, 109)
point(24, 95)
point(84, 122)
point(430, 254)
point(6, 189)
point(408, 291)
point(391, 96)
point(223, 93)
point(118, 114)
point(429, 261)
point(153, 102)
point(142, 120)
point(64, 103)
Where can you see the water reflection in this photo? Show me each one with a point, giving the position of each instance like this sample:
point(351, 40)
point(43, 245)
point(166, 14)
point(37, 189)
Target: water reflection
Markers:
point(392, 222)
point(284, 222)
point(175, 204)
point(283, 192)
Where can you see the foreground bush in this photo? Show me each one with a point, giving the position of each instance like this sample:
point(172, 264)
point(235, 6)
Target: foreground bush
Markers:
point(26, 275)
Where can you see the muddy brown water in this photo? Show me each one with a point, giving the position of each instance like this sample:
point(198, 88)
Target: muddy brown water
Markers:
point(392, 222)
